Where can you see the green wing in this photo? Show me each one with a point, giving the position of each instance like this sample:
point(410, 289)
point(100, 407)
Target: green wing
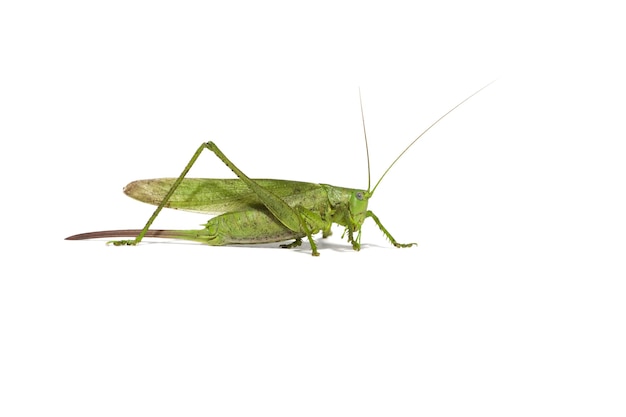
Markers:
point(215, 196)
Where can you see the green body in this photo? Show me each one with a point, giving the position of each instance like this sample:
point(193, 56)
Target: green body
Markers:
point(244, 218)
point(256, 210)
point(250, 210)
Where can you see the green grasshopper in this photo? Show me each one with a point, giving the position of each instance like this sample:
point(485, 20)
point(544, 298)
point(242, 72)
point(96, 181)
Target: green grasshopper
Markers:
point(252, 211)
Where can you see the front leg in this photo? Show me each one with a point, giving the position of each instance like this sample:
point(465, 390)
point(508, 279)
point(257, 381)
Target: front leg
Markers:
point(382, 228)
point(356, 244)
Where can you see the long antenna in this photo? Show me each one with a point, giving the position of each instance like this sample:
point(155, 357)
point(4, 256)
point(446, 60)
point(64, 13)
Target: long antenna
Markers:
point(424, 132)
point(367, 149)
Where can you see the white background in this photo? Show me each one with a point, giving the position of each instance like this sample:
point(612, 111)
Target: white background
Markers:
point(512, 304)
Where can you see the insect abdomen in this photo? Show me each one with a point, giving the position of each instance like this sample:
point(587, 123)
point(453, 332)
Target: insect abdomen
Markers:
point(245, 227)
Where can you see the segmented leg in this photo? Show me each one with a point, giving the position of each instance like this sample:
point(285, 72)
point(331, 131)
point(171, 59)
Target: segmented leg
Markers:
point(382, 228)
point(283, 212)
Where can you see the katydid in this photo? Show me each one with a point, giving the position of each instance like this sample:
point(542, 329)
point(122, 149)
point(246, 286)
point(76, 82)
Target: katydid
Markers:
point(252, 211)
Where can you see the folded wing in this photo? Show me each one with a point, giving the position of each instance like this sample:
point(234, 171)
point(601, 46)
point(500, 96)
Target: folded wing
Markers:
point(214, 196)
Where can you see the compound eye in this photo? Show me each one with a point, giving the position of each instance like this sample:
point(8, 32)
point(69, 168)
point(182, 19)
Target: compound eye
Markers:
point(359, 195)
